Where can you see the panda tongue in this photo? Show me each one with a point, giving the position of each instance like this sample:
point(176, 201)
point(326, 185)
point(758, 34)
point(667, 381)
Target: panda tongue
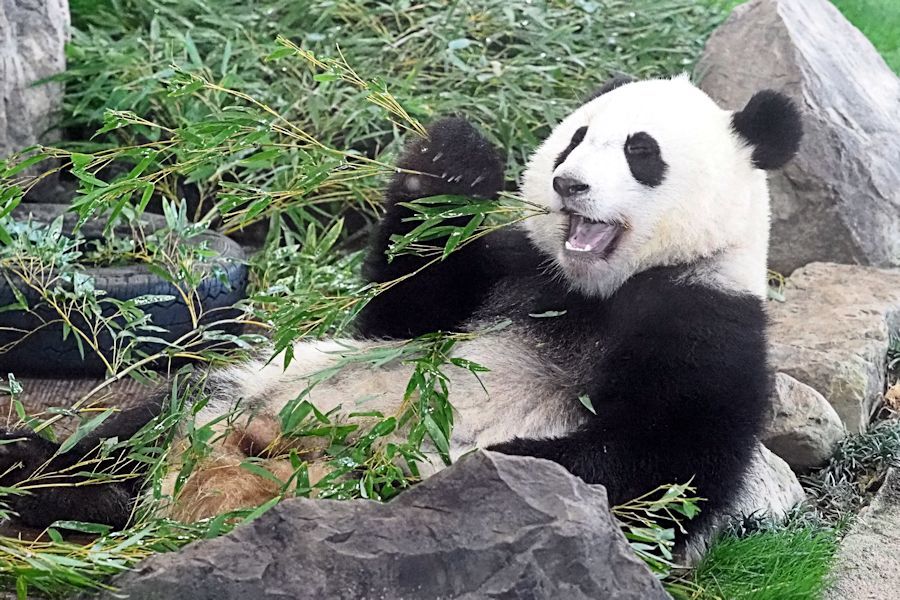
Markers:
point(587, 236)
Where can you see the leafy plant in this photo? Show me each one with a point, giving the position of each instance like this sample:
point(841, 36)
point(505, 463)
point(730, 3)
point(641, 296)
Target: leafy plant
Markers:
point(855, 472)
point(514, 68)
point(650, 523)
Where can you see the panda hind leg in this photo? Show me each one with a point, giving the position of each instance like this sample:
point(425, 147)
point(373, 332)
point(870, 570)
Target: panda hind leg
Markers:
point(223, 481)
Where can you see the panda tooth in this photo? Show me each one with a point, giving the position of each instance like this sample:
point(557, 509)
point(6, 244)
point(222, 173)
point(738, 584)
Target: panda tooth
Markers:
point(569, 246)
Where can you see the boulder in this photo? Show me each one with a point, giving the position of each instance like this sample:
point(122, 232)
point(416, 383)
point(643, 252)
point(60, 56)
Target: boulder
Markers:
point(832, 333)
point(33, 34)
point(801, 427)
point(839, 199)
point(770, 487)
point(491, 526)
point(867, 566)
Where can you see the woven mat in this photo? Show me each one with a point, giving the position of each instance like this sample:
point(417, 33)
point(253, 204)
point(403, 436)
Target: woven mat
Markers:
point(41, 394)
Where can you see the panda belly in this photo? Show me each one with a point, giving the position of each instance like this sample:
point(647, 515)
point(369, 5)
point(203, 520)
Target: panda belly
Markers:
point(522, 395)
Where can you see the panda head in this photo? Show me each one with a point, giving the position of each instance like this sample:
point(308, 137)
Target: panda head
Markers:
point(654, 173)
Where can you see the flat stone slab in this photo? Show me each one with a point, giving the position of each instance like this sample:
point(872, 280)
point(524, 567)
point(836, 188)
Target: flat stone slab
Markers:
point(832, 333)
point(868, 562)
point(490, 526)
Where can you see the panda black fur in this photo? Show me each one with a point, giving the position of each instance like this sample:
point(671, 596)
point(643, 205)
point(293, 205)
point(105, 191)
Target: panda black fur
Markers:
point(652, 257)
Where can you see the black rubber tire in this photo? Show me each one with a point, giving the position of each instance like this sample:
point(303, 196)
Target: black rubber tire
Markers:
point(45, 353)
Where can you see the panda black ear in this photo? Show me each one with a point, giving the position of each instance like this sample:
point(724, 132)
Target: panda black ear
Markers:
point(617, 80)
point(771, 124)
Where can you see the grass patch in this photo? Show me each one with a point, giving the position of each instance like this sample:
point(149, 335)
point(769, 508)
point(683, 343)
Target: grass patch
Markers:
point(775, 564)
point(855, 472)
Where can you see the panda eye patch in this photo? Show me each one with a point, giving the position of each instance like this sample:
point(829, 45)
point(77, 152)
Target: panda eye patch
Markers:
point(641, 144)
point(577, 138)
point(644, 159)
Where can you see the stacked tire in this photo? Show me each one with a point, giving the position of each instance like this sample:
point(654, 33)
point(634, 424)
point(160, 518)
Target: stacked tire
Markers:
point(31, 342)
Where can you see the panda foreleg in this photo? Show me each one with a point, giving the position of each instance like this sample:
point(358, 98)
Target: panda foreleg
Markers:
point(457, 160)
point(52, 488)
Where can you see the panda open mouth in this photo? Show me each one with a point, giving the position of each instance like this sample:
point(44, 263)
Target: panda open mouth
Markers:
point(592, 238)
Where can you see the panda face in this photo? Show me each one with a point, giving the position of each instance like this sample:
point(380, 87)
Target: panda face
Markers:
point(651, 173)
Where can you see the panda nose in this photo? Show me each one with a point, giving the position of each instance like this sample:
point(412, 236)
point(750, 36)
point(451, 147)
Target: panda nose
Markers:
point(567, 187)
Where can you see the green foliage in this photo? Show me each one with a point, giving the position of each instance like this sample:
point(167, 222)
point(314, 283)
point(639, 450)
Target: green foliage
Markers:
point(44, 268)
point(770, 564)
point(855, 472)
point(650, 522)
point(57, 568)
point(514, 67)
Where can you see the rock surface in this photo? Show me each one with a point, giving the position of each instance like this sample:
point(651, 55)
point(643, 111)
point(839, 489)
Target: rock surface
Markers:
point(839, 199)
point(868, 561)
point(492, 526)
point(769, 488)
point(32, 38)
point(832, 333)
point(801, 427)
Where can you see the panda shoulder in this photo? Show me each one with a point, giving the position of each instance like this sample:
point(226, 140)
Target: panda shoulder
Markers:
point(665, 298)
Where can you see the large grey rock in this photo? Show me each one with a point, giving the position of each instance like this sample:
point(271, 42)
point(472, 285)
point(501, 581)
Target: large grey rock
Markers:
point(868, 561)
point(801, 427)
point(770, 487)
point(491, 526)
point(839, 199)
point(33, 34)
point(833, 332)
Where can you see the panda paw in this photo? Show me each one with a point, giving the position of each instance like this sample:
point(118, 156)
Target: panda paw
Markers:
point(21, 453)
point(455, 159)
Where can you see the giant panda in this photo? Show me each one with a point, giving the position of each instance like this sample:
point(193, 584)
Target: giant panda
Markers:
point(651, 257)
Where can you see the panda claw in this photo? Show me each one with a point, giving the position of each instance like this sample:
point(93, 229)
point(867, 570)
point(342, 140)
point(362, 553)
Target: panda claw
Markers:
point(455, 153)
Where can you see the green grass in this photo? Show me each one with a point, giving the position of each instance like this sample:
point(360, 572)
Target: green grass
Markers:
point(783, 564)
point(759, 559)
point(879, 20)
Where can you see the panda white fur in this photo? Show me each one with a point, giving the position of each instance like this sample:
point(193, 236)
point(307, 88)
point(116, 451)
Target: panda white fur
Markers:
point(653, 256)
